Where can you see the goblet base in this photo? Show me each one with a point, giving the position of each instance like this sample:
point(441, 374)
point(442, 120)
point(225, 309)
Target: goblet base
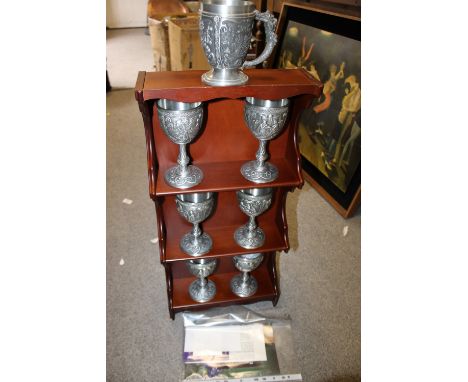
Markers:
point(246, 240)
point(224, 77)
point(201, 293)
point(197, 247)
point(243, 289)
point(189, 178)
point(267, 173)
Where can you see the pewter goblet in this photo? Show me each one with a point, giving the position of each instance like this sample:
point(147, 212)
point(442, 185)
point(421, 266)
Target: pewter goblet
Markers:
point(265, 120)
point(181, 122)
point(245, 285)
point(195, 208)
point(202, 290)
point(252, 202)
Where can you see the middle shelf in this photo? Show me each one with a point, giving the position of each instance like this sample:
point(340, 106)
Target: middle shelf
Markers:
point(221, 225)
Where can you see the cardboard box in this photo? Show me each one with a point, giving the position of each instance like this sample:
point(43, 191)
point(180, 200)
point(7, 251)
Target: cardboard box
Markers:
point(157, 9)
point(185, 48)
point(160, 44)
point(194, 6)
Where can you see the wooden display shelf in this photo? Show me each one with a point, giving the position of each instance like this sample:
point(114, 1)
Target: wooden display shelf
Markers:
point(222, 146)
point(224, 138)
point(186, 86)
point(267, 289)
point(226, 176)
point(221, 227)
point(224, 244)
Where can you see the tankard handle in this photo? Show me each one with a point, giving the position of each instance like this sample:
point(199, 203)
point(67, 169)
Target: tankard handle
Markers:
point(271, 38)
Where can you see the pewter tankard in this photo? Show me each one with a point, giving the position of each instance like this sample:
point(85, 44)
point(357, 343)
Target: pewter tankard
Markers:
point(225, 33)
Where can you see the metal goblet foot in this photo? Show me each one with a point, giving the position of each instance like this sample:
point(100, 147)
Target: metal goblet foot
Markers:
point(245, 285)
point(249, 238)
point(195, 208)
point(182, 179)
point(181, 122)
point(265, 119)
point(196, 245)
point(252, 202)
point(265, 173)
point(202, 290)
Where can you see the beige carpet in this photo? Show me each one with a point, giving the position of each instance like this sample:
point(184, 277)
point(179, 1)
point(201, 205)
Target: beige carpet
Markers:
point(320, 276)
point(128, 51)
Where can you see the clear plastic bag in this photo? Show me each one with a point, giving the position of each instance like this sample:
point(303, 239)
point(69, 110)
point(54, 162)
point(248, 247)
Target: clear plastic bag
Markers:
point(209, 363)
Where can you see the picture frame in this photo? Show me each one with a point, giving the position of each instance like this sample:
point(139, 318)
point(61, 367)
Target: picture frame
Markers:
point(325, 39)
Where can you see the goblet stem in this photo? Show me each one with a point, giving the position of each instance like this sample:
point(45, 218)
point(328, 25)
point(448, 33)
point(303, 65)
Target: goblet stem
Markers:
point(262, 154)
point(183, 159)
point(196, 231)
point(245, 277)
point(203, 282)
point(251, 226)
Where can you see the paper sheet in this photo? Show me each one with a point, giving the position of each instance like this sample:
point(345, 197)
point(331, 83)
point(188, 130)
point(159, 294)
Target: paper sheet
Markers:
point(232, 343)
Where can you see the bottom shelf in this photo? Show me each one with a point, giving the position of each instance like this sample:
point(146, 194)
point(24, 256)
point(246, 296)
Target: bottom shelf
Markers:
point(265, 275)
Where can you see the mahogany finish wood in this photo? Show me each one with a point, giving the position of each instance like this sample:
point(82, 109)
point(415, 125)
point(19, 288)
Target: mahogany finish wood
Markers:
point(265, 274)
point(186, 86)
point(221, 227)
point(226, 176)
point(223, 145)
point(216, 150)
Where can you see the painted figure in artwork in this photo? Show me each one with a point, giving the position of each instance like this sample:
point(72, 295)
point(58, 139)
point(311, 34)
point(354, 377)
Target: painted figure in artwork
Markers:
point(330, 86)
point(350, 106)
point(302, 60)
point(329, 136)
point(313, 70)
point(286, 60)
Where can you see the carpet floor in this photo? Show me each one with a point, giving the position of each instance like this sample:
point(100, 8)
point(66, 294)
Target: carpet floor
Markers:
point(127, 52)
point(320, 276)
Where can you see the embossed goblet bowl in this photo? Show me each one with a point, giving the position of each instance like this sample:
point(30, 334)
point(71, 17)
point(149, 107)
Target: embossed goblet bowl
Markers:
point(252, 202)
point(202, 290)
point(195, 208)
point(245, 285)
point(265, 120)
point(181, 122)
point(226, 33)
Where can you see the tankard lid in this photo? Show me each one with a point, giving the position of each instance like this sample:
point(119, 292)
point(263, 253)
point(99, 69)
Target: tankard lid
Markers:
point(227, 7)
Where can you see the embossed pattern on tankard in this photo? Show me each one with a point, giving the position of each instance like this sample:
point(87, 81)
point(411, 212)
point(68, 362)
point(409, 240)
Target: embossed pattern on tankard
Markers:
point(226, 33)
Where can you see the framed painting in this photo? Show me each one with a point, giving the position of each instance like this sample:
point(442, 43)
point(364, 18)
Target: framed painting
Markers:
point(325, 40)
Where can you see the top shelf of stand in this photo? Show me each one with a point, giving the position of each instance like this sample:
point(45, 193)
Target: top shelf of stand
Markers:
point(186, 86)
